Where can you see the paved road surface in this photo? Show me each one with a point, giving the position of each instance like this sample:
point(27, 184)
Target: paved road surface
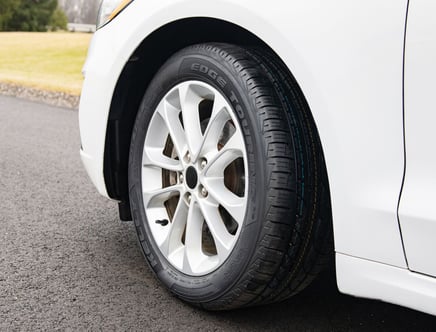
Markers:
point(66, 262)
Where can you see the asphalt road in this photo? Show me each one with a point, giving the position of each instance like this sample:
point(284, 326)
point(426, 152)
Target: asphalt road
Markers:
point(67, 262)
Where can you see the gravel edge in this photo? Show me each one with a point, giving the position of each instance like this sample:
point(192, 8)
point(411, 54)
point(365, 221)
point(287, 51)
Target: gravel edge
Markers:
point(54, 98)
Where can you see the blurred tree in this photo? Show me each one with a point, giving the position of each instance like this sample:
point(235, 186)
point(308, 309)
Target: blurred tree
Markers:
point(58, 20)
point(8, 8)
point(31, 15)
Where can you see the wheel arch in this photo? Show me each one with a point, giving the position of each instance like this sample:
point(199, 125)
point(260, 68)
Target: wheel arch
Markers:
point(135, 77)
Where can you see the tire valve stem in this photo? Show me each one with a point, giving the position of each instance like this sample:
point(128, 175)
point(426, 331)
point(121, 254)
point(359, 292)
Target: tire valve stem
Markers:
point(162, 222)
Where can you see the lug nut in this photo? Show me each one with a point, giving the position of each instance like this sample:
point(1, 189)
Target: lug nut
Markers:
point(203, 191)
point(188, 198)
point(203, 163)
point(188, 157)
point(181, 178)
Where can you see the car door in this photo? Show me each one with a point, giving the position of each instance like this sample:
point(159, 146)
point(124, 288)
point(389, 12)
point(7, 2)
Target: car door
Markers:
point(417, 211)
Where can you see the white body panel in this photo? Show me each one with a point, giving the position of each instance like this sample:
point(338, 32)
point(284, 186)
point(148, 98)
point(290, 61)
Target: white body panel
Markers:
point(347, 58)
point(364, 278)
point(418, 201)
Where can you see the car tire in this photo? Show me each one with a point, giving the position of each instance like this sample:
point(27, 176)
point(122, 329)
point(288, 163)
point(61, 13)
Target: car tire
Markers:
point(227, 181)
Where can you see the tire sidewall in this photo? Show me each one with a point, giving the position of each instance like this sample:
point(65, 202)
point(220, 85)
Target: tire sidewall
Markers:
point(214, 68)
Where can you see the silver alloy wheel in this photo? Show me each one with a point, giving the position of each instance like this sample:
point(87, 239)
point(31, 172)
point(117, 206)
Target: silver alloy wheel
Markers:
point(193, 177)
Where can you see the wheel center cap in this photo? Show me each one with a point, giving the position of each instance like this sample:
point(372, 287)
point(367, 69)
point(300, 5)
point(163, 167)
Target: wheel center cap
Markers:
point(191, 177)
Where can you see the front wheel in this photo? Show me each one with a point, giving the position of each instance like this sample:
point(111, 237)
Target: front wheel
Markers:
point(227, 181)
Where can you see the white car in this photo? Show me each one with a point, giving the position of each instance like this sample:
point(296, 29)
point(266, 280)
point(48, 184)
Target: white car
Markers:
point(251, 142)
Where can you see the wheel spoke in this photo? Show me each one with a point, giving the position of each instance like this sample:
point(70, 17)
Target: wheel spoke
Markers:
point(189, 102)
point(217, 121)
point(156, 198)
point(223, 239)
point(170, 116)
point(193, 251)
point(154, 157)
point(173, 239)
point(234, 143)
point(221, 159)
point(223, 196)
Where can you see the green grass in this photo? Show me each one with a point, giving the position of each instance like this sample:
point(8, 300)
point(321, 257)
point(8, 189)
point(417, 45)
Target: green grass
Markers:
point(48, 61)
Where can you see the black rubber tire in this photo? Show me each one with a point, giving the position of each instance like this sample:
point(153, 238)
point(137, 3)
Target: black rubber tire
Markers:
point(286, 237)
